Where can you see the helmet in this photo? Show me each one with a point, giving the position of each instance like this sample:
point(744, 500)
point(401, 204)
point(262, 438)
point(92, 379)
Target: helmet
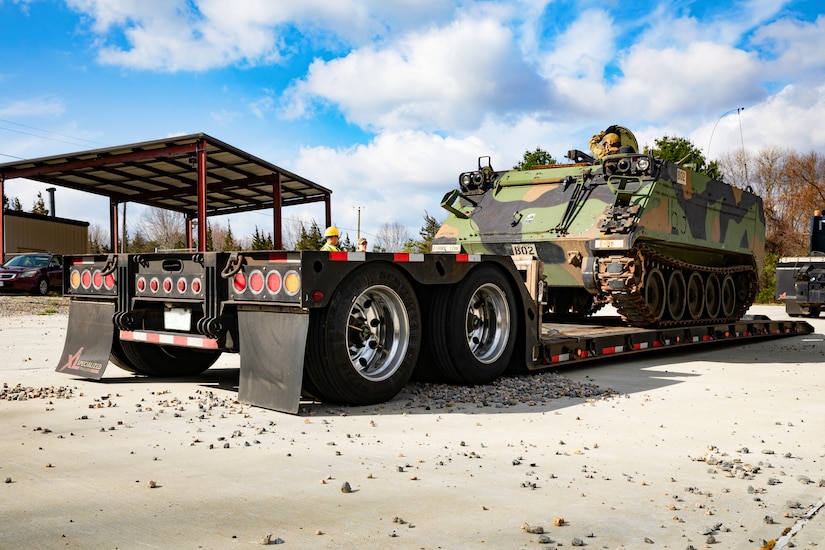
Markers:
point(362, 240)
point(331, 231)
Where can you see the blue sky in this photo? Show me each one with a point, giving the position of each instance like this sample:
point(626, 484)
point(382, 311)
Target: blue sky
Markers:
point(386, 103)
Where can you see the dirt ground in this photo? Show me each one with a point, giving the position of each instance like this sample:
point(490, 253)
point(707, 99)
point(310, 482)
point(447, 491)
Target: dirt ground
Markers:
point(719, 447)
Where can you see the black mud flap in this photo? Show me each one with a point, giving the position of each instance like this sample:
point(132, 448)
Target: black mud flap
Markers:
point(88, 339)
point(272, 346)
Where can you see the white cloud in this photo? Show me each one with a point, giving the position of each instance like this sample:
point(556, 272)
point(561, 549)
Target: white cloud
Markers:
point(179, 35)
point(796, 46)
point(438, 78)
point(679, 83)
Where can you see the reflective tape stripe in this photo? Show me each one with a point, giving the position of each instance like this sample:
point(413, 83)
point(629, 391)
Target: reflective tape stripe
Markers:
point(407, 257)
point(168, 339)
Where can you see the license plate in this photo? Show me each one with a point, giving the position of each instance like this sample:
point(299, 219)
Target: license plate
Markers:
point(524, 249)
point(1, 283)
point(177, 318)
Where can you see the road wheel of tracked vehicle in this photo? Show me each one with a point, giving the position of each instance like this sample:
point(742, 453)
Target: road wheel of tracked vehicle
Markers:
point(695, 295)
point(167, 361)
point(713, 296)
point(656, 292)
point(363, 347)
point(474, 327)
point(728, 296)
point(744, 281)
point(676, 292)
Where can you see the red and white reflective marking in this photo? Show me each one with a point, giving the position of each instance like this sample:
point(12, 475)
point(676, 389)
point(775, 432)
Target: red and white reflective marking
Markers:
point(468, 258)
point(398, 257)
point(404, 257)
point(168, 339)
point(569, 357)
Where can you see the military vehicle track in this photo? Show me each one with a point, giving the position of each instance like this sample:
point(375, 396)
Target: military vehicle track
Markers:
point(673, 293)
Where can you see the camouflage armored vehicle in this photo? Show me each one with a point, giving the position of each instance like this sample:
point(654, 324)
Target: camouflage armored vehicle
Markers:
point(666, 245)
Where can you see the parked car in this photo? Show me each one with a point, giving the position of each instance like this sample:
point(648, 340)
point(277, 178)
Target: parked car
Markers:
point(32, 272)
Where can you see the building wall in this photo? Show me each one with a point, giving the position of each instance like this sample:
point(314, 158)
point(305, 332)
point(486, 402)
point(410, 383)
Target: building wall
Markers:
point(26, 232)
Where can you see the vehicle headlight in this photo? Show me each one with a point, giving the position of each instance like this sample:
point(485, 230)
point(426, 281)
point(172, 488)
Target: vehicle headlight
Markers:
point(643, 164)
point(30, 273)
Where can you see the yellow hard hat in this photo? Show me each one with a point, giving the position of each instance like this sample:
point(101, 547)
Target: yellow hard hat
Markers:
point(331, 231)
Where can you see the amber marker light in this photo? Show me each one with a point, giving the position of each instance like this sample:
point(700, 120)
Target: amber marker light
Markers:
point(292, 283)
point(75, 279)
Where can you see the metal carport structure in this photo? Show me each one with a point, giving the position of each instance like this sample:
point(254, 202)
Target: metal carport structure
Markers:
point(196, 175)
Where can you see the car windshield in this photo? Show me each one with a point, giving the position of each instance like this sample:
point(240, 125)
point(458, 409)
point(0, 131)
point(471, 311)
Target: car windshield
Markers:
point(27, 261)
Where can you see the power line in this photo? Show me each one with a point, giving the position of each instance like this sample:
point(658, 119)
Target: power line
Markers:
point(47, 132)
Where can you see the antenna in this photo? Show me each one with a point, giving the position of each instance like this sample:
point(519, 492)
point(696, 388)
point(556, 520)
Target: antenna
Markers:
point(738, 112)
point(742, 141)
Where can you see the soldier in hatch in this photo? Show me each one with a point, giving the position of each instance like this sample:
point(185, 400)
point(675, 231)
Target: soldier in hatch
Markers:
point(606, 143)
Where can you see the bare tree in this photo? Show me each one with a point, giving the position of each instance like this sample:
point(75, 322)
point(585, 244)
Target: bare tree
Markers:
point(98, 239)
point(164, 227)
point(392, 237)
point(791, 185)
point(291, 232)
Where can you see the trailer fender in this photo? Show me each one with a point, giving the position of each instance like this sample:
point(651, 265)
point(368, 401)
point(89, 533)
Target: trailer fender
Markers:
point(88, 339)
point(272, 346)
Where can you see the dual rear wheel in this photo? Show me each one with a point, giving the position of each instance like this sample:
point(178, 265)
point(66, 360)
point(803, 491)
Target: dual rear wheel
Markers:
point(363, 347)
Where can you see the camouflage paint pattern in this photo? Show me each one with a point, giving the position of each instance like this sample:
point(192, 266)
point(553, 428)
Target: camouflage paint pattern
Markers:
point(601, 207)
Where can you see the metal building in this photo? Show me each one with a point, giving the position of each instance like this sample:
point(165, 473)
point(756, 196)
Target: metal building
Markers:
point(27, 232)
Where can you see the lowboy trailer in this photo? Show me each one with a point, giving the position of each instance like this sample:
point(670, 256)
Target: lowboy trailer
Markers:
point(345, 327)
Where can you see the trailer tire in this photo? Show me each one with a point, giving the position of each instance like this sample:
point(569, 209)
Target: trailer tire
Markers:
point(167, 361)
point(118, 357)
point(363, 347)
point(474, 327)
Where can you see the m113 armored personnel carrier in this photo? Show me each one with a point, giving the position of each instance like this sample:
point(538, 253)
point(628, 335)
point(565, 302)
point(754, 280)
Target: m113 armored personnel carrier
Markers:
point(666, 245)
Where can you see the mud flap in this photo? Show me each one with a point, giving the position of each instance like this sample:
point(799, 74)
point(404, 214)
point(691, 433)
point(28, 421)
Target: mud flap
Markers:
point(88, 339)
point(272, 346)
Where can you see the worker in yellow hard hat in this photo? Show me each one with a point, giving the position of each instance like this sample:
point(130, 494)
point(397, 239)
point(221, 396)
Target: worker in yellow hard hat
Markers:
point(331, 235)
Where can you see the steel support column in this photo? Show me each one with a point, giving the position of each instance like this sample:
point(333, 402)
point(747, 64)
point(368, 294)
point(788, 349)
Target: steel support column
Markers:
point(202, 195)
point(188, 228)
point(113, 224)
point(277, 220)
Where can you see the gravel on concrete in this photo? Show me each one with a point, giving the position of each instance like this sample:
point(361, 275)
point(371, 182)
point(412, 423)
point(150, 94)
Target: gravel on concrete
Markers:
point(716, 448)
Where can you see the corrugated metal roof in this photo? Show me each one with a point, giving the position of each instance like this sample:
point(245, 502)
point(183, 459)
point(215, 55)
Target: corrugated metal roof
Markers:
point(163, 173)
